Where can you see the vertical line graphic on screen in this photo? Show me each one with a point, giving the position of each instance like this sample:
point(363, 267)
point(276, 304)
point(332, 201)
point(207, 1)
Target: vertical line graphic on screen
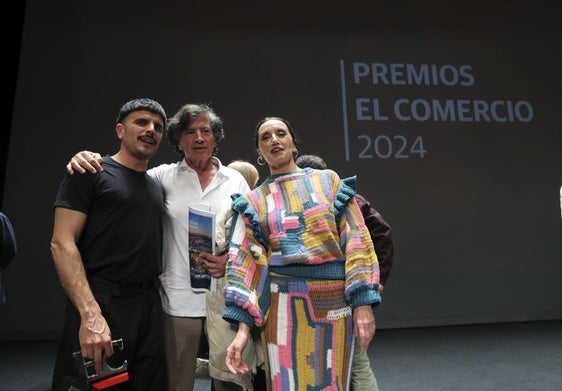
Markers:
point(344, 108)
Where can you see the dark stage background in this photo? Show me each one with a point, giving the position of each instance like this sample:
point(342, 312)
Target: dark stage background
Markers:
point(447, 113)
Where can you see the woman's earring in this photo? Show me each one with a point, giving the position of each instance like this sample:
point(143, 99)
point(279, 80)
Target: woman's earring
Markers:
point(295, 153)
point(260, 161)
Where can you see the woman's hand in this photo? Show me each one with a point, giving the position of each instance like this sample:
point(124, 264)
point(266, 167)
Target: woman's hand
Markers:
point(364, 325)
point(234, 352)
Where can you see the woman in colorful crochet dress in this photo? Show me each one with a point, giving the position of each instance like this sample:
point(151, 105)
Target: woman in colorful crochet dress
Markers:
point(302, 268)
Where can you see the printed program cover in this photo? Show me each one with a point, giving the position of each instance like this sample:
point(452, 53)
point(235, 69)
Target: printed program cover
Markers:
point(201, 238)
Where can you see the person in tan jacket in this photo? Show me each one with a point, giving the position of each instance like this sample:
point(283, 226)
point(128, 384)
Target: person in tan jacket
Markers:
point(251, 380)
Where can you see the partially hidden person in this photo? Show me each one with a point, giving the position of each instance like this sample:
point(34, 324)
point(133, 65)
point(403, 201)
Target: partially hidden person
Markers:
point(8, 249)
point(219, 331)
point(362, 375)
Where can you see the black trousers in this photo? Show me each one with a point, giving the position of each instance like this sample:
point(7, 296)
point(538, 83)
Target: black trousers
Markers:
point(133, 313)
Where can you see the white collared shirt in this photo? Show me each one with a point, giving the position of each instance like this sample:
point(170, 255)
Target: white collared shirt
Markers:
point(182, 188)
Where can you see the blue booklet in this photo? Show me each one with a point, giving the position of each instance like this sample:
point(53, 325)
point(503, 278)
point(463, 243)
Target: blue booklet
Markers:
point(201, 237)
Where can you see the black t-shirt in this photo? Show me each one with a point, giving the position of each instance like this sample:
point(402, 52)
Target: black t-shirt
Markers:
point(122, 239)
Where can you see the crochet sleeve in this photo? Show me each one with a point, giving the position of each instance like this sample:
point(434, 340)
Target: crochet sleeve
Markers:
point(247, 276)
point(361, 264)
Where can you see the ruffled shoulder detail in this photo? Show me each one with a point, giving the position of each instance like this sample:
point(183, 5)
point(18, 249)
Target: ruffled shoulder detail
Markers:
point(346, 191)
point(241, 206)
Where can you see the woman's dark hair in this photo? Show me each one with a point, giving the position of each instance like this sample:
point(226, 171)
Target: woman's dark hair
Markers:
point(180, 121)
point(263, 120)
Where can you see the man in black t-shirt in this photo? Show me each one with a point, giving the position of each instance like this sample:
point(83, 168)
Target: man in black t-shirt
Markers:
point(107, 246)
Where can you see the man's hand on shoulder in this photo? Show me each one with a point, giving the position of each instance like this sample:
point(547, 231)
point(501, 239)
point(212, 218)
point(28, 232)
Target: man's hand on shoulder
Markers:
point(85, 161)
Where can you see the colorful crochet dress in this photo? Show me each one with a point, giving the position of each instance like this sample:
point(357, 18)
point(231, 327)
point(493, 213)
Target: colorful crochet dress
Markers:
point(300, 259)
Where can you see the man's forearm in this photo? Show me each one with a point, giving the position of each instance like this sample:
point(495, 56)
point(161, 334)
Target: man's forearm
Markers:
point(72, 276)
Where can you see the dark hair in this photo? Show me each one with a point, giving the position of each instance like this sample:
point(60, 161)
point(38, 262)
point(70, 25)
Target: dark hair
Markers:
point(180, 121)
point(311, 161)
point(141, 104)
point(263, 120)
